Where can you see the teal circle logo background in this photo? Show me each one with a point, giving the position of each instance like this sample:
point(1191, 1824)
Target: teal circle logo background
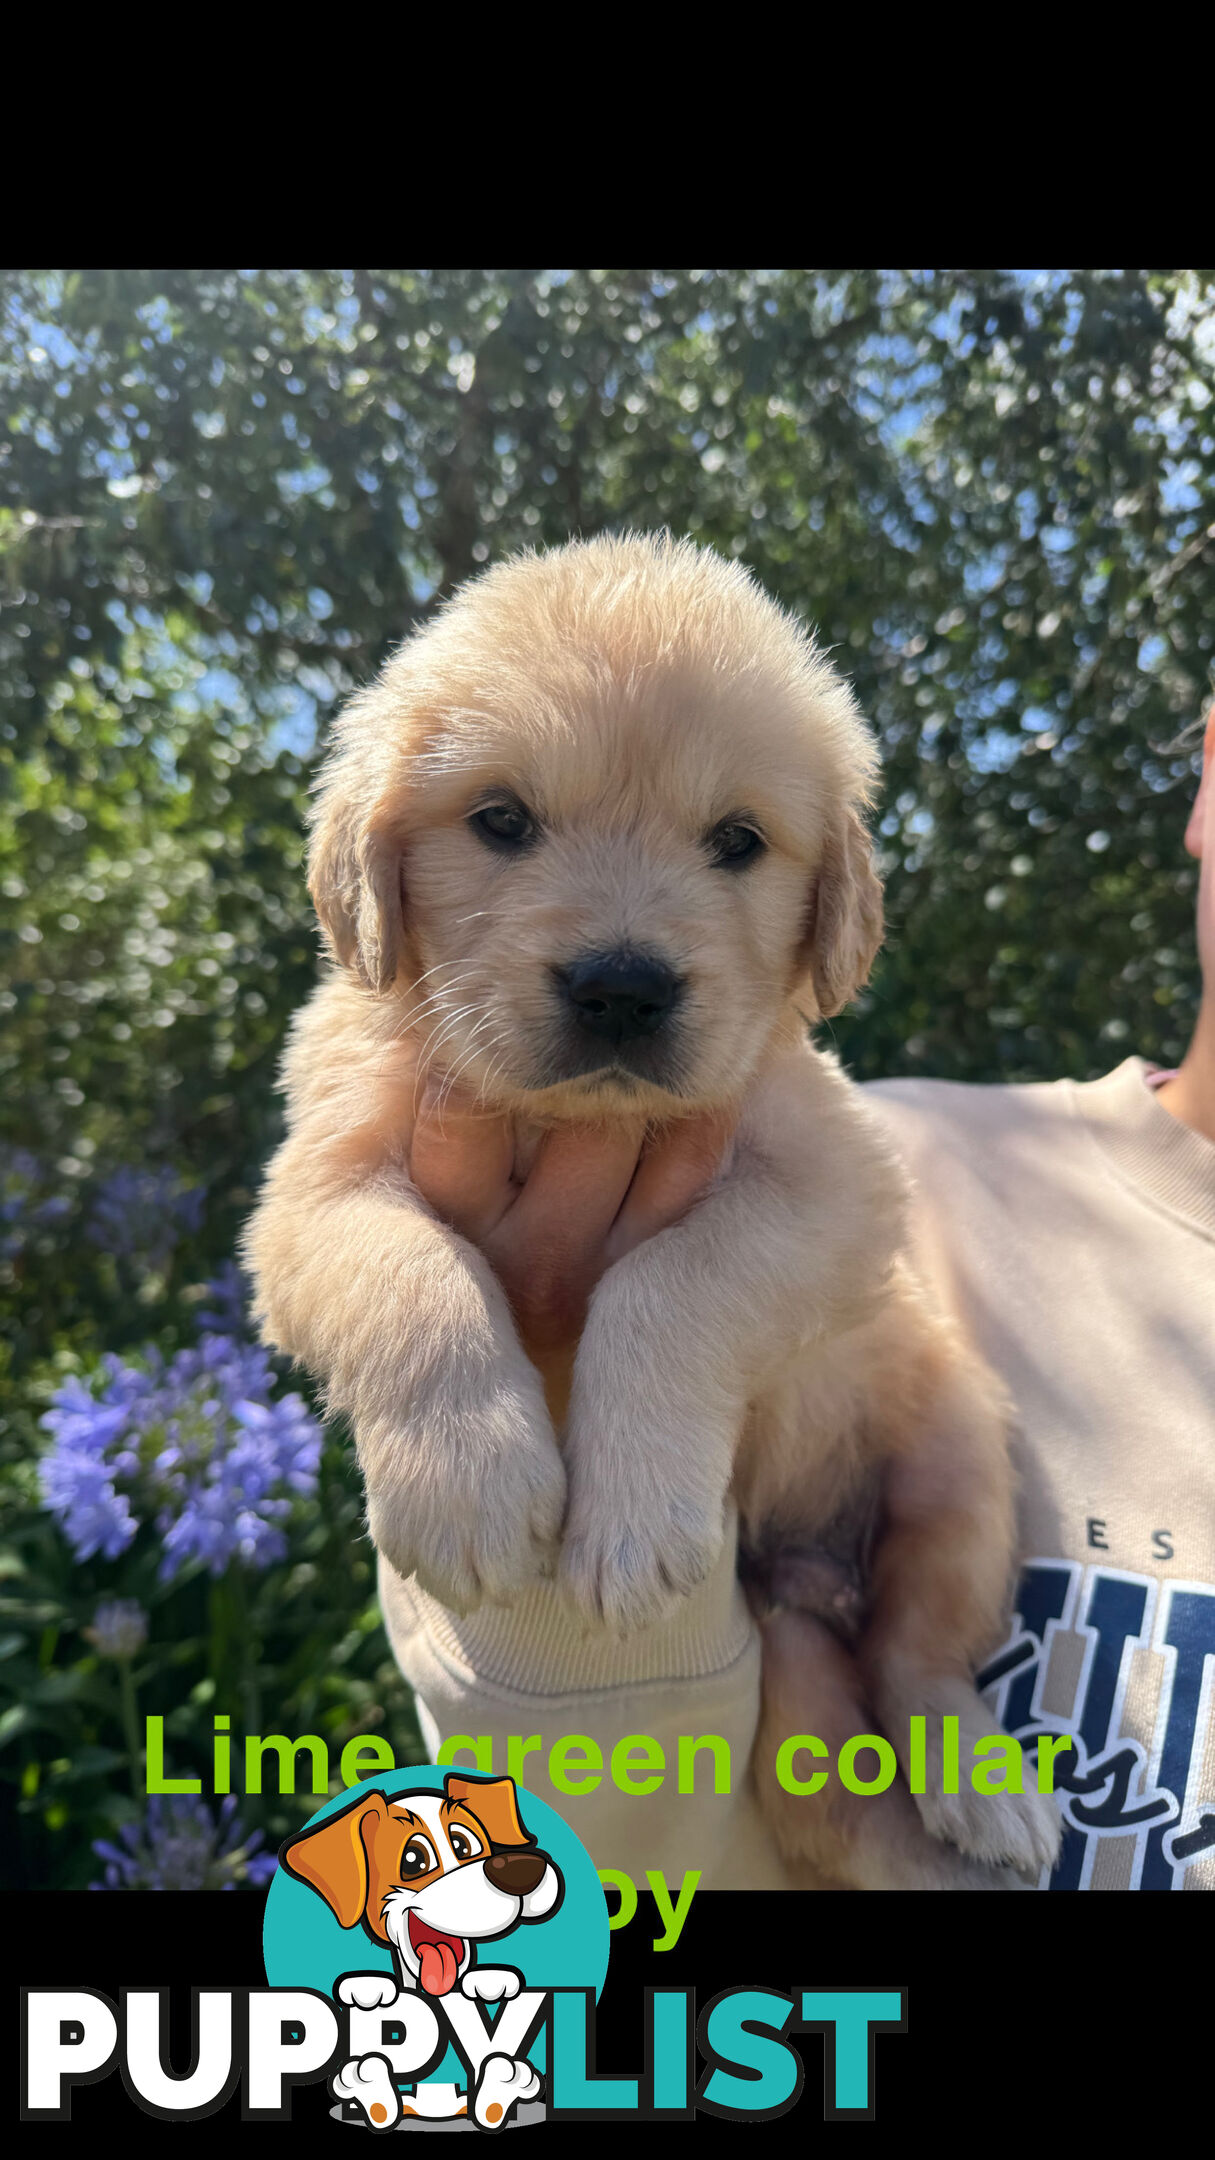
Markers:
point(304, 1946)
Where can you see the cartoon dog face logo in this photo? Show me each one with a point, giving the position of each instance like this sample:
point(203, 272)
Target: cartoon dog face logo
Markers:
point(430, 1874)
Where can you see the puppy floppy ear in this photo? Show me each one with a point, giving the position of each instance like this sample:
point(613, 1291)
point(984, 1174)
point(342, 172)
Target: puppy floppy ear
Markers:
point(845, 923)
point(354, 877)
point(333, 1859)
point(495, 1804)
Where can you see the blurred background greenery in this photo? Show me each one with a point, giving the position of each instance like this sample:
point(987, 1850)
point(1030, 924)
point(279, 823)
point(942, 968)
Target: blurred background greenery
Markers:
point(224, 496)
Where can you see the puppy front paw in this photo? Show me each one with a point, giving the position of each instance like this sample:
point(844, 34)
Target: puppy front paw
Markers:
point(471, 1500)
point(367, 1991)
point(650, 1457)
point(490, 1983)
point(624, 1571)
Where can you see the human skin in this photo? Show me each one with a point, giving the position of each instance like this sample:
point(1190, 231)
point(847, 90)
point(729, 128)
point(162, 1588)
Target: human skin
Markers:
point(591, 1194)
point(1190, 1095)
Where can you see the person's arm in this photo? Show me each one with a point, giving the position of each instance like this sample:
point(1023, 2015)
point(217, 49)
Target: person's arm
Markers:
point(1190, 1093)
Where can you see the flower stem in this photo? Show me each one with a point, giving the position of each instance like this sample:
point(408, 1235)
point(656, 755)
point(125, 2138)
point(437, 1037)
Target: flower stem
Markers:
point(130, 1722)
point(249, 1650)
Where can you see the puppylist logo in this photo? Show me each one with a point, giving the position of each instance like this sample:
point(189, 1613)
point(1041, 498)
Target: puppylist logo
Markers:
point(436, 1944)
point(448, 1885)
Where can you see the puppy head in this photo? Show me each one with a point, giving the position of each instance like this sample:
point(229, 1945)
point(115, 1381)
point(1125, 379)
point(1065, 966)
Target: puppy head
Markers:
point(596, 825)
point(430, 1873)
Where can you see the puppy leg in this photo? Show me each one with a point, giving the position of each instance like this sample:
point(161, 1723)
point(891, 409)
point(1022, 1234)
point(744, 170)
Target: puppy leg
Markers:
point(939, 1577)
point(411, 1333)
point(791, 1244)
point(834, 1839)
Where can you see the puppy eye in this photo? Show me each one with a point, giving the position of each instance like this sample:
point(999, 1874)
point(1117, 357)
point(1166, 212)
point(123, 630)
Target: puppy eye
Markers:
point(504, 825)
point(464, 1845)
point(732, 845)
point(417, 1858)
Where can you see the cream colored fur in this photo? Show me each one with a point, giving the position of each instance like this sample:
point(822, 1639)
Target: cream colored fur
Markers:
point(632, 694)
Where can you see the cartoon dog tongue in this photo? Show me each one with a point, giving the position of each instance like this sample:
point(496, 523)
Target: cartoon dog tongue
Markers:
point(439, 1965)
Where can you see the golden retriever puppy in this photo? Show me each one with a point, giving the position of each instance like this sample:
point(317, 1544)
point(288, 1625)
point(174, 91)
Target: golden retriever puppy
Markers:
point(592, 848)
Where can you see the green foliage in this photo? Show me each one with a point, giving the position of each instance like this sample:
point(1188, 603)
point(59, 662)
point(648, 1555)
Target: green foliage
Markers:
point(296, 1650)
point(225, 496)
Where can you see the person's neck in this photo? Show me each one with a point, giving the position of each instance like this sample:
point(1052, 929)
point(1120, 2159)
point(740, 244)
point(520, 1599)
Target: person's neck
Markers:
point(1190, 1094)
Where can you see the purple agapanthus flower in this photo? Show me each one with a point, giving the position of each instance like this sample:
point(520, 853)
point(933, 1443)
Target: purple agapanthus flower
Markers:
point(226, 1312)
point(120, 1628)
point(180, 1845)
point(197, 1445)
point(141, 1213)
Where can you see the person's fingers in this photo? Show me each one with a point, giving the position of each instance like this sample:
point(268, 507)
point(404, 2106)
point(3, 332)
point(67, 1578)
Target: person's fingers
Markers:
point(673, 1171)
point(460, 1160)
point(574, 1190)
point(547, 1250)
point(593, 1192)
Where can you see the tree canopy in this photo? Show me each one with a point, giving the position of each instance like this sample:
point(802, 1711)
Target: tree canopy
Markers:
point(225, 496)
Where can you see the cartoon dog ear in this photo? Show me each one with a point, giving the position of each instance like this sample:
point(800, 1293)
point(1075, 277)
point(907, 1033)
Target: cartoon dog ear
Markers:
point(354, 871)
point(495, 1804)
point(333, 1858)
point(845, 924)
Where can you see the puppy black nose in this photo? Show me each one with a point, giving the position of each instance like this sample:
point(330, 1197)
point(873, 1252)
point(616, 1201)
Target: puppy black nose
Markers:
point(516, 1872)
point(620, 996)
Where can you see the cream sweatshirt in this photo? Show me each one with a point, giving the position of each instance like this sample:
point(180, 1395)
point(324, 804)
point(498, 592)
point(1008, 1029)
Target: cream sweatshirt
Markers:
point(1072, 1227)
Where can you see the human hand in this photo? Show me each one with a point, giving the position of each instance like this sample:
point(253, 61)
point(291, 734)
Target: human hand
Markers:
point(590, 1195)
